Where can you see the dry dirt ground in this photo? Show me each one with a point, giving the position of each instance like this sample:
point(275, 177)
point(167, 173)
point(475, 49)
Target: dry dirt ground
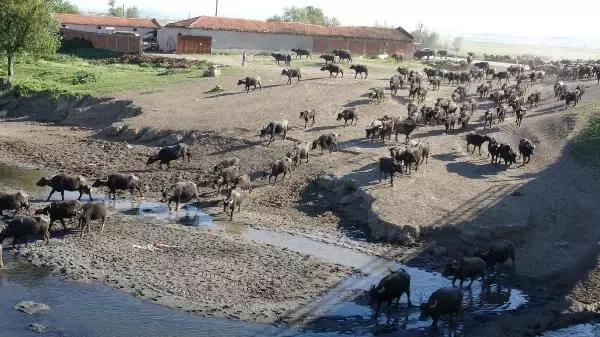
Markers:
point(549, 207)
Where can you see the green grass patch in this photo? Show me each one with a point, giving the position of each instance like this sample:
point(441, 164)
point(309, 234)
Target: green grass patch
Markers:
point(586, 145)
point(68, 74)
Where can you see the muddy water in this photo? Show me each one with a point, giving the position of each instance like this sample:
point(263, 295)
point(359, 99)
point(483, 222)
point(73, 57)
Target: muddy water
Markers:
point(580, 330)
point(344, 309)
point(95, 310)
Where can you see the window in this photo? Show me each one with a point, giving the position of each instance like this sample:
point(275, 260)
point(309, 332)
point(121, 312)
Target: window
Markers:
point(99, 27)
point(135, 29)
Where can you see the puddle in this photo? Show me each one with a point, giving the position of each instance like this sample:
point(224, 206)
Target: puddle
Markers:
point(347, 307)
point(579, 330)
point(342, 310)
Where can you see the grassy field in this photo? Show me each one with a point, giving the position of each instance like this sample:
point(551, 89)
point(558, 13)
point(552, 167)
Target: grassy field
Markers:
point(66, 74)
point(514, 50)
point(586, 147)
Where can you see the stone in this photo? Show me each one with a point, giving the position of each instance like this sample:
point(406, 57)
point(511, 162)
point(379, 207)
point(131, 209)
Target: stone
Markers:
point(35, 327)
point(171, 139)
point(151, 134)
point(114, 129)
point(32, 308)
point(561, 244)
point(212, 71)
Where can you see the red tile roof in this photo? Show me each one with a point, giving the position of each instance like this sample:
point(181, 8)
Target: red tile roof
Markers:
point(243, 25)
point(99, 20)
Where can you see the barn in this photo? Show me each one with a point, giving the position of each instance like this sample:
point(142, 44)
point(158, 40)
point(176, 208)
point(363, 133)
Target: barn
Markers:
point(204, 34)
point(107, 24)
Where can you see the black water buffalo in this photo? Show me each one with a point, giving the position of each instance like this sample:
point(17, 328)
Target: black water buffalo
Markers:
point(64, 182)
point(300, 52)
point(526, 149)
point(292, 73)
point(250, 81)
point(444, 301)
point(60, 210)
point(465, 268)
point(281, 57)
point(333, 68)
point(476, 140)
point(327, 58)
point(389, 166)
point(389, 288)
point(348, 114)
point(169, 153)
point(360, 69)
point(498, 253)
point(502, 75)
point(343, 55)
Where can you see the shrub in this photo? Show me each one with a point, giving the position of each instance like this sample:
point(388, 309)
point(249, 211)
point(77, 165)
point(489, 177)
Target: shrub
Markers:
point(83, 77)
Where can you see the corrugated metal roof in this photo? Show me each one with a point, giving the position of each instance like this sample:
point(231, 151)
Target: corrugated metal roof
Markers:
point(99, 20)
point(244, 25)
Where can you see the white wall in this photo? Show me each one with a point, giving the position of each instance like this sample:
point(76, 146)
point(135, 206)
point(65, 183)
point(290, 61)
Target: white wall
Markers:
point(167, 40)
point(94, 29)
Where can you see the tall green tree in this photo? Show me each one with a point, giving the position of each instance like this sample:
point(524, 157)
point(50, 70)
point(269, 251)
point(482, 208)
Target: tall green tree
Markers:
point(27, 26)
point(428, 39)
point(113, 9)
point(132, 12)
point(308, 14)
point(457, 43)
point(64, 6)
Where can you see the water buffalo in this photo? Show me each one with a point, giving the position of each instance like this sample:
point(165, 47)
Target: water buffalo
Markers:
point(444, 301)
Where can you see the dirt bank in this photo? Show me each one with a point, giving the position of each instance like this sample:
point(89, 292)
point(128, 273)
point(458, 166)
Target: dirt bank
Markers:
point(207, 273)
point(455, 202)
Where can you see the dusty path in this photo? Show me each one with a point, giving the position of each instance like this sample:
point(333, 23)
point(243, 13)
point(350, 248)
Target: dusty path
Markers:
point(540, 206)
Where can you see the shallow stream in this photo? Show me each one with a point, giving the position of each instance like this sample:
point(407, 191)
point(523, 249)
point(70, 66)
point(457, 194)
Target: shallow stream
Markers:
point(97, 310)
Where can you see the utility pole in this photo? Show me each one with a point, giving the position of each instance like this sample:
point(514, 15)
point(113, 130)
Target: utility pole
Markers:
point(420, 29)
point(123, 10)
point(216, 7)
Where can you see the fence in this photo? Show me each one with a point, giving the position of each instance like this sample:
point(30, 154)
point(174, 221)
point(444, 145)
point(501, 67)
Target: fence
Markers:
point(122, 43)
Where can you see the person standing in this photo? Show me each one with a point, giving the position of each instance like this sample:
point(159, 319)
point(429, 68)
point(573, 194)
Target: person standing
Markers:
point(244, 58)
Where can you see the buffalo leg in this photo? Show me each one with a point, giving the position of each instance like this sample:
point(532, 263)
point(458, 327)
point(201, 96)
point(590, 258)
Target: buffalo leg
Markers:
point(62, 221)
point(46, 237)
point(50, 195)
point(102, 228)
point(408, 298)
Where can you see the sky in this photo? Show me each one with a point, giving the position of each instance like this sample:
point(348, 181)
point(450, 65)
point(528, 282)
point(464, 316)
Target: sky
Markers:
point(518, 18)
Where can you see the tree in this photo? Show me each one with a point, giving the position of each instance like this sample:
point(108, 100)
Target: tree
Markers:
point(308, 14)
point(64, 6)
point(27, 26)
point(428, 39)
point(114, 10)
point(457, 43)
point(132, 12)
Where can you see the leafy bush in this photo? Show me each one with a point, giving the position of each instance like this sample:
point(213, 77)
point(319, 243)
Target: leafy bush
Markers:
point(167, 72)
point(83, 77)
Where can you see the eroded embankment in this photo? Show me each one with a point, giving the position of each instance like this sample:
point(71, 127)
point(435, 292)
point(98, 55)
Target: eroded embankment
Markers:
point(106, 116)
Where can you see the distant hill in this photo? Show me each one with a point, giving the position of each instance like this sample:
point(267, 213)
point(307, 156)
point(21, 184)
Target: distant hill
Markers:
point(570, 42)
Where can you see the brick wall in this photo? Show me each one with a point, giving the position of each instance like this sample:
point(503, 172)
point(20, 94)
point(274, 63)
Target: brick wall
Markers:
point(122, 43)
point(320, 45)
point(337, 44)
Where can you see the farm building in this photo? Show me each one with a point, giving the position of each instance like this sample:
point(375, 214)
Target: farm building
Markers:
point(206, 33)
point(107, 24)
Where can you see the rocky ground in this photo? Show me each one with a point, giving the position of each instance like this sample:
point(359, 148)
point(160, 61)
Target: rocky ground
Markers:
point(456, 201)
